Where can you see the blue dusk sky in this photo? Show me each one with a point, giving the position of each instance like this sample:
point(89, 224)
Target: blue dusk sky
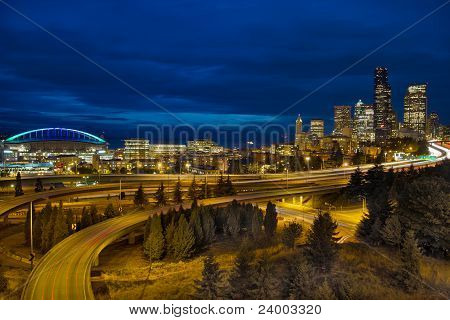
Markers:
point(216, 62)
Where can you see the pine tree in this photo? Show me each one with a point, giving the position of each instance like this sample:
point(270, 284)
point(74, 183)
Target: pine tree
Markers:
point(257, 222)
point(270, 220)
point(48, 218)
point(3, 283)
point(140, 199)
point(70, 220)
point(322, 241)
point(195, 222)
point(109, 211)
point(60, 229)
point(208, 287)
point(229, 188)
point(37, 232)
point(38, 187)
point(94, 214)
point(18, 186)
point(177, 193)
point(183, 239)
point(147, 227)
point(27, 227)
point(169, 235)
point(324, 292)
point(193, 190)
point(86, 218)
point(208, 225)
point(241, 283)
point(155, 243)
point(232, 223)
point(160, 196)
point(392, 231)
point(300, 282)
point(290, 233)
point(220, 188)
point(409, 273)
point(265, 284)
point(355, 187)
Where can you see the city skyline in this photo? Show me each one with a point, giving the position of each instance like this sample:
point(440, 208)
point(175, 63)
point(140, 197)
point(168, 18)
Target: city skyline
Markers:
point(244, 80)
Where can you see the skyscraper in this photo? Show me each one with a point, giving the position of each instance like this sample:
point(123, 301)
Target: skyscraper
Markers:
point(415, 109)
point(434, 128)
point(342, 120)
point(300, 137)
point(384, 115)
point(317, 128)
point(363, 122)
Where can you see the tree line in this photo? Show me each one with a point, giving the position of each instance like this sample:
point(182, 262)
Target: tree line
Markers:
point(178, 234)
point(408, 210)
point(53, 223)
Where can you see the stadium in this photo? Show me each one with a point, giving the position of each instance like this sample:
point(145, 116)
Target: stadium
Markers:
point(50, 141)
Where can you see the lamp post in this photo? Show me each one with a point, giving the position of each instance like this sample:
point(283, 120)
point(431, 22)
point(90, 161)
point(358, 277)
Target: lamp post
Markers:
point(307, 164)
point(287, 178)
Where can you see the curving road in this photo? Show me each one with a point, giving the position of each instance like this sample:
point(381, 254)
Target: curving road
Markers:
point(64, 272)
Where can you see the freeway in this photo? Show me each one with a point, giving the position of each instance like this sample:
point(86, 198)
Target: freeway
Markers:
point(64, 272)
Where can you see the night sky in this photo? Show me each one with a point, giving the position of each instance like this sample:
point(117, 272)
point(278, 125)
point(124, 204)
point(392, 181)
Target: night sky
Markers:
point(211, 62)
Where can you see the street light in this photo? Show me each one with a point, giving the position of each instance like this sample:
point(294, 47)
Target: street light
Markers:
point(307, 163)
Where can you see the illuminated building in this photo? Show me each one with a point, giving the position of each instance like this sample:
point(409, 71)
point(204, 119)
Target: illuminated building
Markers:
point(345, 143)
point(434, 127)
point(204, 146)
point(384, 116)
point(166, 149)
point(415, 109)
point(363, 122)
point(342, 120)
point(317, 128)
point(136, 150)
point(299, 137)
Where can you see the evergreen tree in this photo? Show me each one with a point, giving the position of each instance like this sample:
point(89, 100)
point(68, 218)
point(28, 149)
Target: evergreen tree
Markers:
point(86, 218)
point(3, 283)
point(232, 223)
point(18, 186)
point(193, 190)
point(392, 231)
point(409, 273)
point(241, 283)
point(27, 226)
point(37, 232)
point(355, 187)
point(195, 222)
point(220, 188)
point(208, 287)
point(48, 218)
point(160, 196)
point(265, 284)
point(61, 230)
point(70, 220)
point(229, 188)
point(140, 199)
point(183, 239)
point(109, 211)
point(155, 244)
point(270, 220)
point(324, 292)
point(169, 234)
point(300, 283)
point(177, 193)
point(94, 214)
point(147, 227)
point(290, 233)
point(322, 241)
point(38, 187)
point(257, 222)
point(208, 225)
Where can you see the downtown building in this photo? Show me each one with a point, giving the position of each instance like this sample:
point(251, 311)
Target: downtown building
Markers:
point(363, 123)
point(415, 110)
point(385, 119)
point(434, 128)
point(317, 128)
point(300, 136)
point(343, 120)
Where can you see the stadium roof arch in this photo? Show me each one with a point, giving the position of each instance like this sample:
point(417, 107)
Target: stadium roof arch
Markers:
point(54, 134)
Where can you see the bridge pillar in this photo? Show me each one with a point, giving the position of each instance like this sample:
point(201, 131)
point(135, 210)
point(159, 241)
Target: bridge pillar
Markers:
point(293, 200)
point(132, 237)
point(301, 200)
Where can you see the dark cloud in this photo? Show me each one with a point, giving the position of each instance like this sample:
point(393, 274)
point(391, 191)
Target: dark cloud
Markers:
point(211, 57)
